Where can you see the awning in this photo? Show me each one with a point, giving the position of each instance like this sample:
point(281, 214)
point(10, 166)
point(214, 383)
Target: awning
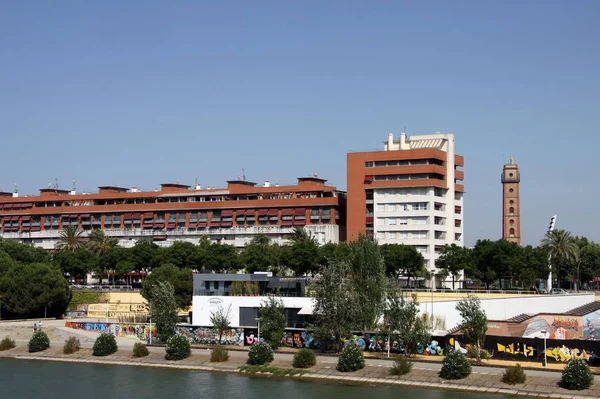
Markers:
point(26, 218)
point(214, 224)
point(226, 213)
point(73, 216)
point(300, 211)
point(287, 212)
point(272, 212)
point(159, 225)
point(171, 225)
point(299, 222)
point(127, 216)
point(85, 215)
point(159, 238)
point(250, 212)
point(36, 228)
point(148, 215)
point(16, 217)
point(226, 224)
point(287, 223)
point(201, 225)
point(262, 212)
point(25, 228)
point(306, 310)
point(136, 215)
point(8, 206)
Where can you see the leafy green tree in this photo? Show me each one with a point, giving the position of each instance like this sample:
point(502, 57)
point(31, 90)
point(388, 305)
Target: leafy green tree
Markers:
point(303, 257)
point(75, 263)
point(25, 253)
point(272, 321)
point(182, 254)
point(221, 320)
point(109, 260)
point(257, 255)
point(219, 257)
point(180, 279)
point(99, 242)
point(402, 319)
point(32, 289)
point(367, 275)
point(163, 309)
point(70, 239)
point(6, 262)
point(145, 255)
point(589, 262)
point(334, 304)
point(535, 266)
point(402, 260)
point(454, 259)
point(474, 323)
point(300, 234)
point(333, 252)
point(561, 248)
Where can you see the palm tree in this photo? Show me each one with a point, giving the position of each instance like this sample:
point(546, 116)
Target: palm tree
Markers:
point(70, 239)
point(561, 248)
point(300, 234)
point(100, 242)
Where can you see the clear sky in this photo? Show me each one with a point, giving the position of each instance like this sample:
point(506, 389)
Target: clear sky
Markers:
point(139, 93)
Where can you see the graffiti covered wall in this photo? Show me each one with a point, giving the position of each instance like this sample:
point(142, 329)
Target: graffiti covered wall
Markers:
point(591, 325)
point(124, 330)
point(209, 336)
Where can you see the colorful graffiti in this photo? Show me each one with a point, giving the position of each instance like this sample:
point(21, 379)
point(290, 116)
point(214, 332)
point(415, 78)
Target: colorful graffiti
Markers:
point(564, 354)
point(210, 336)
point(591, 325)
point(516, 349)
point(299, 339)
point(124, 330)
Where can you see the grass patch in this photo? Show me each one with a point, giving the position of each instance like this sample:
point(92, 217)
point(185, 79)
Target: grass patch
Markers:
point(277, 371)
point(88, 297)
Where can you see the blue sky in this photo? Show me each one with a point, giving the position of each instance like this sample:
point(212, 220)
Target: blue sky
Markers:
point(144, 92)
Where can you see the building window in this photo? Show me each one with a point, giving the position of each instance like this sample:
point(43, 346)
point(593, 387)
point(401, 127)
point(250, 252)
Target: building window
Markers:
point(380, 222)
point(391, 207)
point(380, 235)
point(380, 208)
point(392, 221)
point(392, 235)
point(511, 202)
point(511, 210)
point(511, 231)
point(402, 221)
point(510, 190)
point(419, 206)
point(511, 221)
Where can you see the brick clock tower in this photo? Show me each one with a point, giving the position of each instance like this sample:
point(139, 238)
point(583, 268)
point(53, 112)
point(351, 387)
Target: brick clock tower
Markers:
point(511, 207)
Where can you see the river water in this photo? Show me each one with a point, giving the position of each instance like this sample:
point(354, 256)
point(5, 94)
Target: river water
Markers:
point(23, 379)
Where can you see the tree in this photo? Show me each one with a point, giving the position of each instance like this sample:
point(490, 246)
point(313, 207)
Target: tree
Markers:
point(70, 239)
point(300, 234)
point(402, 260)
point(25, 253)
point(163, 309)
point(473, 323)
point(145, 255)
point(303, 257)
point(454, 259)
point(75, 263)
point(182, 254)
point(272, 321)
point(100, 242)
point(561, 248)
point(333, 252)
point(334, 304)
point(589, 262)
point(367, 275)
point(220, 320)
point(257, 255)
point(109, 260)
point(402, 318)
point(180, 279)
point(219, 257)
point(34, 289)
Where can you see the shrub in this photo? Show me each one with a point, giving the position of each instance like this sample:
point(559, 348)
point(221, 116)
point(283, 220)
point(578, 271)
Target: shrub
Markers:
point(351, 358)
point(577, 375)
point(140, 350)
point(39, 342)
point(177, 348)
point(402, 366)
point(219, 354)
point(304, 358)
point(514, 375)
point(7, 343)
point(455, 366)
point(72, 345)
point(105, 345)
point(260, 353)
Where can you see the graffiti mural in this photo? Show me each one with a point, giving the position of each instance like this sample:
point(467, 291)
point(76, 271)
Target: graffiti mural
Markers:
point(591, 325)
point(299, 339)
point(135, 331)
point(517, 349)
point(210, 336)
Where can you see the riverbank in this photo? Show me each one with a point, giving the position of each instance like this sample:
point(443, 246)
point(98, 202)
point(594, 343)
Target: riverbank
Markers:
point(376, 372)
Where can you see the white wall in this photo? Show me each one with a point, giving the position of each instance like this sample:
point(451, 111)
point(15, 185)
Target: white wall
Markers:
point(203, 305)
point(505, 308)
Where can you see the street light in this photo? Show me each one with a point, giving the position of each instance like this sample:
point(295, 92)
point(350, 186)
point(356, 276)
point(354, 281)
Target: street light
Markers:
point(258, 332)
point(545, 358)
point(107, 308)
point(550, 229)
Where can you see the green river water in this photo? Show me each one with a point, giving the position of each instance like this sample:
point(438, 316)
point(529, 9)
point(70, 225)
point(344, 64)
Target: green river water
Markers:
point(23, 379)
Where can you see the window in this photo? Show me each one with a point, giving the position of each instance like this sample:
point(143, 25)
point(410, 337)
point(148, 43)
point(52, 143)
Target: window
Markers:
point(392, 221)
point(380, 208)
point(511, 221)
point(422, 220)
point(419, 206)
point(403, 235)
point(511, 210)
point(511, 231)
point(380, 222)
point(402, 221)
point(419, 235)
point(511, 202)
point(392, 235)
point(510, 190)
point(390, 207)
point(380, 235)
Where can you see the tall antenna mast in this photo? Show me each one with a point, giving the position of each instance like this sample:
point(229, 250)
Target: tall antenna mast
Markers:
point(56, 183)
point(244, 174)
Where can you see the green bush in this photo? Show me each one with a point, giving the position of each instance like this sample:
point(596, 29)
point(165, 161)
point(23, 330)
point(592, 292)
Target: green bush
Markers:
point(105, 345)
point(577, 375)
point(219, 354)
point(305, 358)
point(455, 366)
point(39, 342)
point(402, 366)
point(7, 343)
point(514, 375)
point(260, 353)
point(140, 350)
point(351, 359)
point(177, 348)
point(72, 345)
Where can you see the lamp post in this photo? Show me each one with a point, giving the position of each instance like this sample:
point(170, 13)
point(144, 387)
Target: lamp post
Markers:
point(258, 328)
point(150, 330)
point(550, 229)
point(545, 358)
point(107, 309)
point(432, 288)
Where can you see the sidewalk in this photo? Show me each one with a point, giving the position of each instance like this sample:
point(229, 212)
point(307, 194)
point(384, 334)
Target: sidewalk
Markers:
point(483, 379)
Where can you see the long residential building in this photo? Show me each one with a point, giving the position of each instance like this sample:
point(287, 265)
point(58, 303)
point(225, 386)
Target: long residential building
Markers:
point(232, 215)
point(410, 193)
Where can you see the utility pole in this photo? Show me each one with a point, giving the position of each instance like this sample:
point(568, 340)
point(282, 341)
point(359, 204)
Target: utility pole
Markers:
point(550, 230)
